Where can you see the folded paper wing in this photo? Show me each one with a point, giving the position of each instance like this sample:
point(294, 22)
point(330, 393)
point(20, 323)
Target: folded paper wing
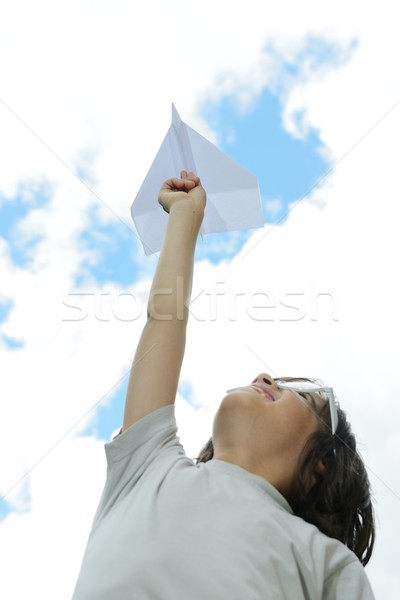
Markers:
point(233, 196)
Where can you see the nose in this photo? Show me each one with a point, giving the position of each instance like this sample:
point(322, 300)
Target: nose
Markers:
point(266, 379)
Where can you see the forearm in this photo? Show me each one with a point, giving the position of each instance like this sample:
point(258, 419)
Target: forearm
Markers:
point(172, 284)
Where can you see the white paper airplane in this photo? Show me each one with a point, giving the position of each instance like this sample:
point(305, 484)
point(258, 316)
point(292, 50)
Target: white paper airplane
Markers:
point(233, 196)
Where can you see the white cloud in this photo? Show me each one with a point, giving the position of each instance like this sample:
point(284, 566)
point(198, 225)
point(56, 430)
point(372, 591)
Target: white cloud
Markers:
point(95, 84)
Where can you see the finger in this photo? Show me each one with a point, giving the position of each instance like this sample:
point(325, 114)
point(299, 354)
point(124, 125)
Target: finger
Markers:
point(189, 175)
point(188, 182)
point(192, 177)
point(179, 184)
point(174, 182)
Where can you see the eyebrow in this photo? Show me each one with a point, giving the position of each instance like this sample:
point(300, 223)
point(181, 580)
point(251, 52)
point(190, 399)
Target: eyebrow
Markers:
point(315, 406)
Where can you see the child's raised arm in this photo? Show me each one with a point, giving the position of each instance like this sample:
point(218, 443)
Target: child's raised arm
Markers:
point(156, 367)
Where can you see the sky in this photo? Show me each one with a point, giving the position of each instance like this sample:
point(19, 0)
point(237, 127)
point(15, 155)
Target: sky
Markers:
point(306, 98)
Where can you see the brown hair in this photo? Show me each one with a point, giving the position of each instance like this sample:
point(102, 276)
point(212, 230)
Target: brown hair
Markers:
point(339, 501)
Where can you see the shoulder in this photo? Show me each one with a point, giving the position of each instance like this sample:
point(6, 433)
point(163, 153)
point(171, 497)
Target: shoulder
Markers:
point(333, 564)
point(149, 432)
point(150, 445)
point(348, 581)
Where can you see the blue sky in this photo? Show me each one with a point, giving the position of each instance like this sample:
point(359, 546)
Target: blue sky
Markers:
point(286, 168)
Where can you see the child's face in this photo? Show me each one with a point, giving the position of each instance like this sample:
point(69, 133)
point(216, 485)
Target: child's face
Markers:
point(264, 429)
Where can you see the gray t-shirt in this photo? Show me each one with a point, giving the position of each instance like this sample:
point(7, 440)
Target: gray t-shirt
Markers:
point(167, 529)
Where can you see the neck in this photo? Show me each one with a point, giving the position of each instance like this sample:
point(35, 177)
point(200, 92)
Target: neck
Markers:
point(274, 471)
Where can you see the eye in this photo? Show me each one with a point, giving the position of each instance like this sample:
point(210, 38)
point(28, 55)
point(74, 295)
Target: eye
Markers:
point(310, 398)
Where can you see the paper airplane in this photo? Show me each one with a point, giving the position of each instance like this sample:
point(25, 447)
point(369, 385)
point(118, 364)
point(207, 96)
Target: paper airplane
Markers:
point(233, 196)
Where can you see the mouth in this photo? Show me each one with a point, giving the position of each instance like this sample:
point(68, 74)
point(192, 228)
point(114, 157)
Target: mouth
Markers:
point(265, 391)
point(261, 389)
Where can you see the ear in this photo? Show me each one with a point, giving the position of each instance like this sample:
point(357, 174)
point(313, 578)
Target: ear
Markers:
point(320, 468)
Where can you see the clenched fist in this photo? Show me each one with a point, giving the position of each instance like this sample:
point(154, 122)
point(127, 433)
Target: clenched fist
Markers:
point(187, 192)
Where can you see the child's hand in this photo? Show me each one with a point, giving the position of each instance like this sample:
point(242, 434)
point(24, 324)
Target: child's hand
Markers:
point(186, 191)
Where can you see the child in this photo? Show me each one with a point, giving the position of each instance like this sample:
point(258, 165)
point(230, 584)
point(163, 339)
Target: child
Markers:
point(278, 503)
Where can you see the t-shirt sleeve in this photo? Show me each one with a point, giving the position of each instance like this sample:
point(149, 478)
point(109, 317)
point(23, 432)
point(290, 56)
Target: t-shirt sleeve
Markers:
point(349, 582)
point(151, 442)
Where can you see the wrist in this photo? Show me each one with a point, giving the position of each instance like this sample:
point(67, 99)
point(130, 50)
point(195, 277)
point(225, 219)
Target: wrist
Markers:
point(187, 212)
